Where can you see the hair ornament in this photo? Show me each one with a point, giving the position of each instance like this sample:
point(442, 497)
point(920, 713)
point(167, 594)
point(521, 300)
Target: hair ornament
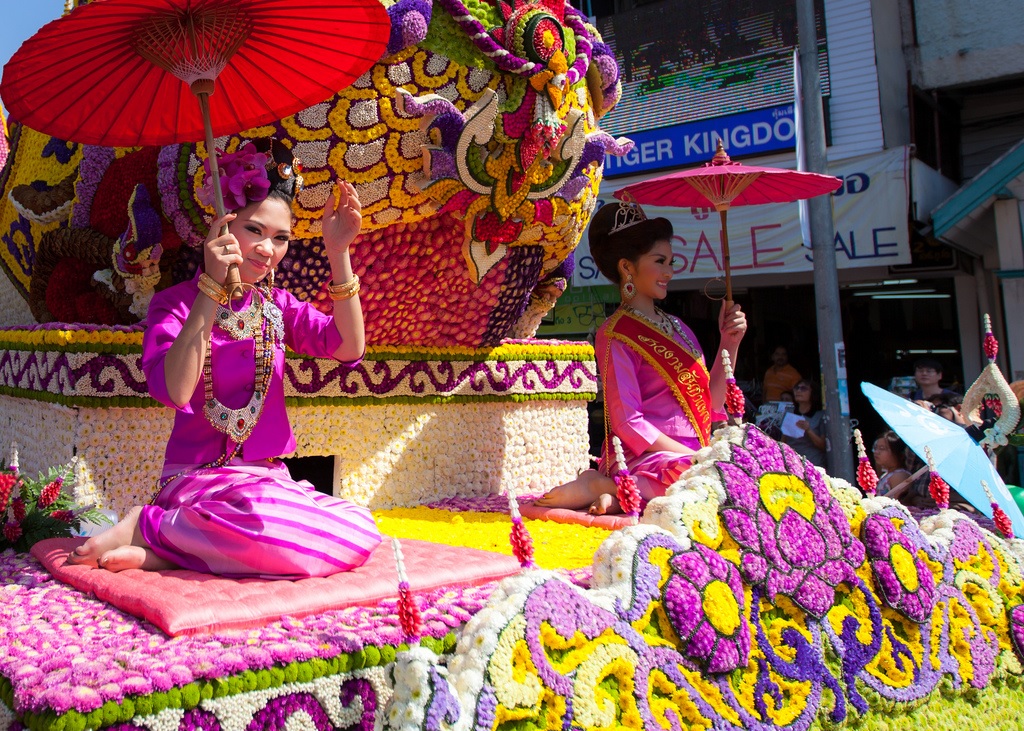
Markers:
point(243, 177)
point(628, 214)
point(294, 168)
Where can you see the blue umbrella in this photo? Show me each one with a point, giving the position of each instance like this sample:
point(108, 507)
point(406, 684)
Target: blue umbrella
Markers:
point(959, 460)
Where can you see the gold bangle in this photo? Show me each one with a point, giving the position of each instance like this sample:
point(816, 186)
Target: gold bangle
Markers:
point(344, 291)
point(208, 286)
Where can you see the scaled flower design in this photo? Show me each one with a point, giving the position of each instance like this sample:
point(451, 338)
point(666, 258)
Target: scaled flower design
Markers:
point(896, 548)
point(705, 604)
point(792, 533)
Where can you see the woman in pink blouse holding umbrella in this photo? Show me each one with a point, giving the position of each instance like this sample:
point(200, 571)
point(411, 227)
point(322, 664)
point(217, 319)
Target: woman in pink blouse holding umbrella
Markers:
point(227, 504)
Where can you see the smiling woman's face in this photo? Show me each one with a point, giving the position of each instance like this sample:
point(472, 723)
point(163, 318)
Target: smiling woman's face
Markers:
point(263, 230)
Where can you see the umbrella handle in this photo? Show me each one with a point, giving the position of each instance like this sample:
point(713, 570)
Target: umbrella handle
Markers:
point(233, 282)
point(726, 266)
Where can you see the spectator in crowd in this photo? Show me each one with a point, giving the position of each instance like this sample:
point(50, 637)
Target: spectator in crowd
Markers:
point(928, 375)
point(890, 454)
point(808, 406)
point(787, 397)
point(780, 376)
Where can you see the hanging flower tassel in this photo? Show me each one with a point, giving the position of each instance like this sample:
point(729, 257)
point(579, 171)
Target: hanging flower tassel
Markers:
point(522, 543)
point(867, 478)
point(408, 613)
point(937, 487)
point(990, 344)
point(626, 490)
point(735, 403)
point(999, 516)
point(12, 464)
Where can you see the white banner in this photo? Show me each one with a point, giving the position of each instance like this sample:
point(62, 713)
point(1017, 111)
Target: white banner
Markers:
point(870, 213)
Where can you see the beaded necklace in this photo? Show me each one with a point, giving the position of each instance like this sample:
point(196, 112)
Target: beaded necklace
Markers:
point(262, 318)
point(262, 322)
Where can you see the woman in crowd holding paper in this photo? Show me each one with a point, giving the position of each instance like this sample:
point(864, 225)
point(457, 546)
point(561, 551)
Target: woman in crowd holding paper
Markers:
point(808, 421)
point(660, 400)
point(227, 504)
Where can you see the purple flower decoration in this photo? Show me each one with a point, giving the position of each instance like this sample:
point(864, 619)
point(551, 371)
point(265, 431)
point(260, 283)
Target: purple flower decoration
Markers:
point(792, 534)
point(897, 558)
point(243, 178)
point(704, 602)
point(1017, 628)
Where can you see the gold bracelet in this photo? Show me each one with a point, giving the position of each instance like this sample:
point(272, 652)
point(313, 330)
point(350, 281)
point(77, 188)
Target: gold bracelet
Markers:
point(344, 291)
point(208, 286)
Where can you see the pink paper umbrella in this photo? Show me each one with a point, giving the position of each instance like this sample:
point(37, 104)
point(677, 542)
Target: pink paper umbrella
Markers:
point(723, 184)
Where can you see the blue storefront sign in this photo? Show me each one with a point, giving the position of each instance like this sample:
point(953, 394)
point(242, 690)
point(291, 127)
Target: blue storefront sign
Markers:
point(687, 145)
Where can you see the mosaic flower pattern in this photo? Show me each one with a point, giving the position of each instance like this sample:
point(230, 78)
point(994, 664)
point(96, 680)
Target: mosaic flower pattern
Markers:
point(792, 533)
point(897, 552)
point(704, 602)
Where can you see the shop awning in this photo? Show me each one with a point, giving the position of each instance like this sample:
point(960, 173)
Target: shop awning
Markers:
point(959, 218)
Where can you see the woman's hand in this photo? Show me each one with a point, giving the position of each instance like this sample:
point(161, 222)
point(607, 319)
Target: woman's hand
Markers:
point(220, 252)
point(732, 323)
point(342, 219)
point(803, 425)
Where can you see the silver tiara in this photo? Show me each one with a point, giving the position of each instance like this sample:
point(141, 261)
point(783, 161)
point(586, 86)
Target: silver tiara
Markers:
point(629, 214)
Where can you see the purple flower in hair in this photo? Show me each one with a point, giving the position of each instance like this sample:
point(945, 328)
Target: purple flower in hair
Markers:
point(243, 178)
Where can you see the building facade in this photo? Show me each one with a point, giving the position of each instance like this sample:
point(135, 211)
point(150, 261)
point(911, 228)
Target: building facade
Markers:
point(912, 118)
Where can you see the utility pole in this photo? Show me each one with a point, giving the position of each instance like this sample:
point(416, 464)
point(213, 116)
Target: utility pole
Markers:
point(831, 348)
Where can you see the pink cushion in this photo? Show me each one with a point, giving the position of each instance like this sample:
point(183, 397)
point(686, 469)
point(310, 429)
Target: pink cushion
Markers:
point(188, 602)
point(575, 517)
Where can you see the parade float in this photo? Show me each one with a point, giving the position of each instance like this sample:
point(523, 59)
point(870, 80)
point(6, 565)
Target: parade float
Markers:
point(759, 593)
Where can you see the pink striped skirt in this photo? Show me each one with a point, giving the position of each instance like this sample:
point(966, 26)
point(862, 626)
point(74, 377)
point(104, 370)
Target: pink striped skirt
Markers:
point(253, 520)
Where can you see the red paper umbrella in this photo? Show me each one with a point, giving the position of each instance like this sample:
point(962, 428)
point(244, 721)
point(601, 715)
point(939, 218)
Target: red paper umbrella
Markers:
point(111, 72)
point(723, 184)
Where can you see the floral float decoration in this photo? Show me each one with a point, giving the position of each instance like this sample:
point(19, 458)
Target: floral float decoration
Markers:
point(690, 622)
point(990, 400)
point(473, 143)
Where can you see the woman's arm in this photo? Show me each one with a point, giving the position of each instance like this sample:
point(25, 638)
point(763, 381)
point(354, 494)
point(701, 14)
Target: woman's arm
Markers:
point(184, 362)
point(732, 325)
point(342, 220)
point(816, 439)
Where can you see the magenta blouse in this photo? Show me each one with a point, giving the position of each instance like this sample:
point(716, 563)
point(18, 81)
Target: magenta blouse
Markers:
point(193, 439)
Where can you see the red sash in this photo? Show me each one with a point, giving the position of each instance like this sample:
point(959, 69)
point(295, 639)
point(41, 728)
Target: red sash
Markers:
point(683, 371)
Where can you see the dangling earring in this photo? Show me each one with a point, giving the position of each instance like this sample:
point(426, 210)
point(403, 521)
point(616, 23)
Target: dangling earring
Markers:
point(271, 277)
point(628, 288)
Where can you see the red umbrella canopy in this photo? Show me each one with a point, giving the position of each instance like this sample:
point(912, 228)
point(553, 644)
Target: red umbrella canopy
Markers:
point(111, 72)
point(723, 184)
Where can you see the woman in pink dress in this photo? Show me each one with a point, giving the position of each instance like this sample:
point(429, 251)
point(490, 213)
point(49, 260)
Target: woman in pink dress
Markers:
point(659, 397)
point(227, 504)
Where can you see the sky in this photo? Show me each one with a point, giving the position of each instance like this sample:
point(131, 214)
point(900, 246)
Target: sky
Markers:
point(19, 19)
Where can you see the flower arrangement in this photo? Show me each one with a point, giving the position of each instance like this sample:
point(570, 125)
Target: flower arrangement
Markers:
point(44, 507)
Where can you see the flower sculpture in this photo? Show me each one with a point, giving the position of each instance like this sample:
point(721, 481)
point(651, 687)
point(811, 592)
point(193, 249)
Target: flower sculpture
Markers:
point(793, 536)
point(897, 551)
point(704, 602)
point(473, 142)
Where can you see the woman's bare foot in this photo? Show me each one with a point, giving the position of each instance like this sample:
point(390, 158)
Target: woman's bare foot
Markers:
point(133, 557)
point(122, 534)
point(606, 504)
point(578, 494)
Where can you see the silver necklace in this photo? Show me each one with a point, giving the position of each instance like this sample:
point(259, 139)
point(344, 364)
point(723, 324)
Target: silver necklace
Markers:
point(667, 325)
